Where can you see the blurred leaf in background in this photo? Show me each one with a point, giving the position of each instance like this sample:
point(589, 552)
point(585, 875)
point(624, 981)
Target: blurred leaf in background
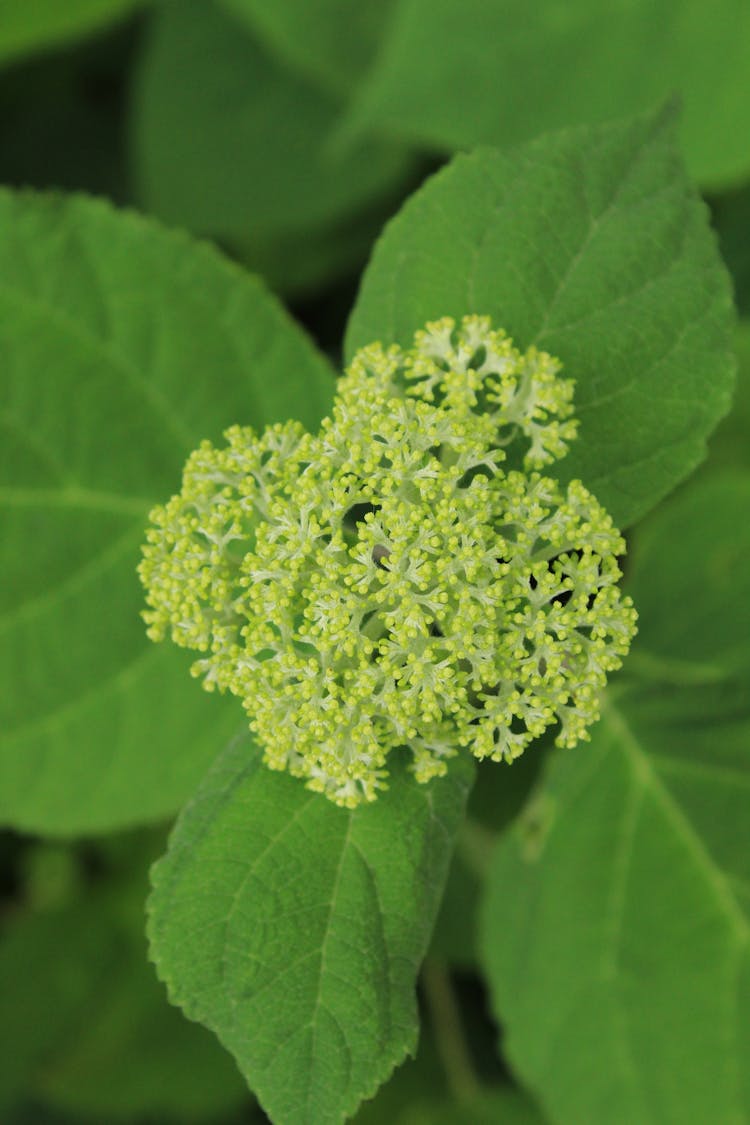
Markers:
point(457, 73)
point(26, 28)
point(330, 42)
point(228, 142)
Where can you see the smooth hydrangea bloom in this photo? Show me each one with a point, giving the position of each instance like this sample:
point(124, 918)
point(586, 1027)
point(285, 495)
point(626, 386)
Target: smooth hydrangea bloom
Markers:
point(406, 578)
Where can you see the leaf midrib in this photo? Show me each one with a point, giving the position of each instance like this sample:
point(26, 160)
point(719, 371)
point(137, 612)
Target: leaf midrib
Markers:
point(72, 496)
point(646, 776)
point(109, 557)
point(149, 391)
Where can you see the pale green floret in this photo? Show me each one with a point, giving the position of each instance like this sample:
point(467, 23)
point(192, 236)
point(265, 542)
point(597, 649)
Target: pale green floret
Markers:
point(387, 583)
point(475, 369)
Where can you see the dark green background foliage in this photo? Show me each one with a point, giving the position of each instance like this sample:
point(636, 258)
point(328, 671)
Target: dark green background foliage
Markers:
point(195, 232)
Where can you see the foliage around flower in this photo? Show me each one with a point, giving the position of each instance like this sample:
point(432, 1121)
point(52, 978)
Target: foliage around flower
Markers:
point(391, 582)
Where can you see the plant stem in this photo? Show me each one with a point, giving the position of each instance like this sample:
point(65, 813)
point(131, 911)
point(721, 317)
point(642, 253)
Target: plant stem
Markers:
point(475, 845)
point(449, 1036)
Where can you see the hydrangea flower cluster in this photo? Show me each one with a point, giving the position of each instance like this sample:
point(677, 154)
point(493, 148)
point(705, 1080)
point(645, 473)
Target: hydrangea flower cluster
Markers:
point(391, 582)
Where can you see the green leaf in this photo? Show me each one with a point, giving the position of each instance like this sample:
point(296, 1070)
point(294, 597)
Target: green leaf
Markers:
point(295, 929)
point(691, 585)
point(124, 345)
point(616, 929)
point(458, 73)
point(38, 24)
point(591, 244)
point(228, 143)
point(330, 42)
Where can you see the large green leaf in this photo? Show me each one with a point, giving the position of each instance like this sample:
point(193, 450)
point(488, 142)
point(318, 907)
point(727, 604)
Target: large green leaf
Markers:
point(591, 244)
point(691, 584)
point(331, 42)
point(616, 929)
point(465, 72)
point(228, 143)
point(30, 25)
point(295, 929)
point(124, 345)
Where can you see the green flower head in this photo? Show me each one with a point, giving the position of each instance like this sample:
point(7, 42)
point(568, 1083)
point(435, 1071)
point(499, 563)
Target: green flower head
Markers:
point(406, 578)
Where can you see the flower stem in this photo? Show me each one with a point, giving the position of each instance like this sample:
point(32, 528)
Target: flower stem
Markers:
point(475, 845)
point(451, 1044)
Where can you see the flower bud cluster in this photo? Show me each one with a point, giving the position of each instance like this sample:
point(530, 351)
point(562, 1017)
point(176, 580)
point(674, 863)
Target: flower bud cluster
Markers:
point(390, 584)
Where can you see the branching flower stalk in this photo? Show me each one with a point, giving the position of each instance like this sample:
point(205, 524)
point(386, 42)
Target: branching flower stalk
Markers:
point(391, 582)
